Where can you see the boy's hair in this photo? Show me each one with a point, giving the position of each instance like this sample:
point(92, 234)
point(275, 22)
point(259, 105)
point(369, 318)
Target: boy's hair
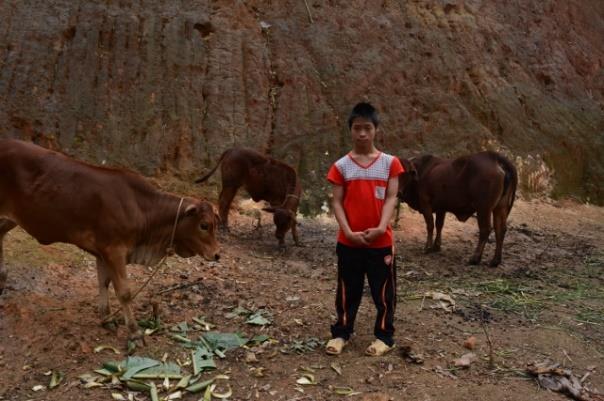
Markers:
point(364, 110)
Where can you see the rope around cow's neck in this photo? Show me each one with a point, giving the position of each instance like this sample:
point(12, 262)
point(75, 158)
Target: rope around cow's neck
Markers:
point(289, 196)
point(169, 252)
point(170, 249)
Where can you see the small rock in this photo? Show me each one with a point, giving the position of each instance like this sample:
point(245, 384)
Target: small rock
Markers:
point(85, 347)
point(470, 343)
point(250, 357)
point(465, 361)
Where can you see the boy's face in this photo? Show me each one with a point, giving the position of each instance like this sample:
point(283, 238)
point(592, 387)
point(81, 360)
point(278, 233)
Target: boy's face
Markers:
point(363, 131)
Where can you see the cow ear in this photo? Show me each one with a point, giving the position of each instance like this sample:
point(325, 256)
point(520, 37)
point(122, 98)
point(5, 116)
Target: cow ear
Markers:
point(269, 209)
point(414, 174)
point(410, 167)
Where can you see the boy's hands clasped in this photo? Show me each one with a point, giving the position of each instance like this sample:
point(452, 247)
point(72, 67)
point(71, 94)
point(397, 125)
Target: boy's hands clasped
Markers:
point(371, 234)
point(366, 237)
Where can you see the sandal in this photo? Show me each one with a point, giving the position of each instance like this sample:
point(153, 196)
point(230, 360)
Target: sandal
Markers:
point(335, 346)
point(378, 348)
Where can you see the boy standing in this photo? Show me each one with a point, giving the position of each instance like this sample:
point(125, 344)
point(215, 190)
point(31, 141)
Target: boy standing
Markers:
point(365, 184)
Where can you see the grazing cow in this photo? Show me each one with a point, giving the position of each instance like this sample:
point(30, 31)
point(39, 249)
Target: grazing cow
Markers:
point(483, 183)
point(113, 214)
point(264, 178)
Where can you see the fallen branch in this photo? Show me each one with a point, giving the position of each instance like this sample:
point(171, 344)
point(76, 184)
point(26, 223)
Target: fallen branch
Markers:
point(179, 287)
point(489, 343)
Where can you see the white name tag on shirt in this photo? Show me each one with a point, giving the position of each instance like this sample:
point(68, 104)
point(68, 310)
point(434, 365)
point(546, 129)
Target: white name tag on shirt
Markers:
point(380, 192)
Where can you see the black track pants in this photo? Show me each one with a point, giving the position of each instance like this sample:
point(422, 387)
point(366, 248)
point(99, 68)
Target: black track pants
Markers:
point(379, 266)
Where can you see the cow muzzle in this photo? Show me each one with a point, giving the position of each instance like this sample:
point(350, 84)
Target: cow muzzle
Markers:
point(211, 255)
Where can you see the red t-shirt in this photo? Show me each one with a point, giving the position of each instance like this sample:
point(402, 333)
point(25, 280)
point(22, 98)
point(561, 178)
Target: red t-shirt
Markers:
point(365, 193)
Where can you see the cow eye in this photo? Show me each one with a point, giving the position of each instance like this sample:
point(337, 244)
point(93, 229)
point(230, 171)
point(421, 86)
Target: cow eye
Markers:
point(204, 226)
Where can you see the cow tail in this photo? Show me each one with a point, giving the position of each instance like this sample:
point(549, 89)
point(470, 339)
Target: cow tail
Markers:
point(208, 175)
point(510, 182)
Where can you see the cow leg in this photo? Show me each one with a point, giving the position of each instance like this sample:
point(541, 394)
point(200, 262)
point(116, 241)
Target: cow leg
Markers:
point(484, 227)
point(500, 223)
point(104, 281)
point(225, 199)
point(440, 222)
point(282, 247)
point(5, 226)
point(430, 230)
point(295, 232)
point(116, 268)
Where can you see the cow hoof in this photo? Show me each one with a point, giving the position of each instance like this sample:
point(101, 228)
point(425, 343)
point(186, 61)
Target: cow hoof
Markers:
point(137, 338)
point(494, 263)
point(474, 261)
point(429, 250)
point(110, 325)
point(132, 345)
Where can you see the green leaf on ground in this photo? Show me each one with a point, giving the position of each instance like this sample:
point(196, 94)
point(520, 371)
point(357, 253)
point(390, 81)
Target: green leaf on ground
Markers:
point(202, 360)
point(169, 370)
point(136, 364)
point(238, 311)
point(197, 387)
point(224, 341)
point(181, 327)
point(259, 339)
point(140, 368)
point(258, 319)
point(56, 379)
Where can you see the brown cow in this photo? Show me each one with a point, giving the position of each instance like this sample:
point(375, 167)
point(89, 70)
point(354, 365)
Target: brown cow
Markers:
point(264, 178)
point(483, 183)
point(113, 214)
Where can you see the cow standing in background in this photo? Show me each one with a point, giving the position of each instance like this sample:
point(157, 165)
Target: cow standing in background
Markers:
point(483, 183)
point(264, 178)
point(110, 213)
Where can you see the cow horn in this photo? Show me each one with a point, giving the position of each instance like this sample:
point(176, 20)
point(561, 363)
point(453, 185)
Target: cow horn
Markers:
point(191, 209)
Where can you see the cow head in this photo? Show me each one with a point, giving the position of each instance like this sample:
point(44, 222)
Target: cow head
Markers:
point(408, 179)
point(196, 231)
point(283, 219)
point(407, 182)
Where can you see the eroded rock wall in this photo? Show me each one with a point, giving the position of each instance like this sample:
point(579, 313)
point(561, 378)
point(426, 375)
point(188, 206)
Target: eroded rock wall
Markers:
point(166, 86)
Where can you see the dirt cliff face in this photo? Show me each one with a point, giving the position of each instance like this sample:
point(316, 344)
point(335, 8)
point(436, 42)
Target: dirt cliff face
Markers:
point(166, 86)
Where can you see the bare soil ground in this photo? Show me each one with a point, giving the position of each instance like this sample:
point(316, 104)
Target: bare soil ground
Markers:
point(546, 301)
